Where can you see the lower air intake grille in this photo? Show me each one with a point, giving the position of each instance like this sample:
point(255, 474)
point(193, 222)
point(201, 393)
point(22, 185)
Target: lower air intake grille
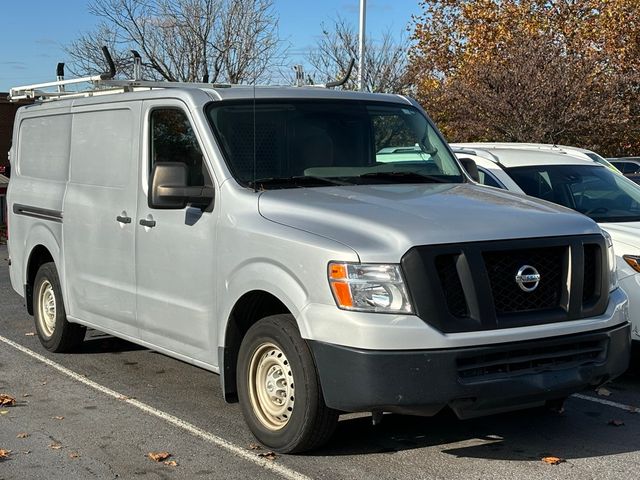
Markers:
point(524, 359)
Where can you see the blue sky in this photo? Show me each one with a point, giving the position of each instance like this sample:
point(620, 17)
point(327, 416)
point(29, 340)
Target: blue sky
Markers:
point(32, 37)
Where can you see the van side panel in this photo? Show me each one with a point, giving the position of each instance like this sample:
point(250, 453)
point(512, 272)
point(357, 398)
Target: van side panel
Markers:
point(99, 249)
point(37, 187)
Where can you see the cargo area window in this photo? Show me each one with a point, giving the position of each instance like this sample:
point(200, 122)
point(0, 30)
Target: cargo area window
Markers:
point(173, 140)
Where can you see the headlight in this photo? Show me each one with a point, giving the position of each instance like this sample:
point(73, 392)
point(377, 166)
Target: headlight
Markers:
point(611, 260)
point(369, 287)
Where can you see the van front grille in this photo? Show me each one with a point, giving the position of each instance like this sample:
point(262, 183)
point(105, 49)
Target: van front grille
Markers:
point(476, 285)
point(508, 297)
point(457, 304)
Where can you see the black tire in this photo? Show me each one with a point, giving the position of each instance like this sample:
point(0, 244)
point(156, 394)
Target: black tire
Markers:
point(54, 331)
point(309, 423)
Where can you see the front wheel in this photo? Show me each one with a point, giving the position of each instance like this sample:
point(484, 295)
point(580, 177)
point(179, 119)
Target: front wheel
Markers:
point(279, 389)
point(54, 331)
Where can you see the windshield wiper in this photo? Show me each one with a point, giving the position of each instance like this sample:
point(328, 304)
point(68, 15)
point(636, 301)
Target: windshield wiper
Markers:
point(404, 177)
point(295, 181)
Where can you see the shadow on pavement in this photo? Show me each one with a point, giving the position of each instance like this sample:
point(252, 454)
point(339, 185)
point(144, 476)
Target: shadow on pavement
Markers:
point(518, 436)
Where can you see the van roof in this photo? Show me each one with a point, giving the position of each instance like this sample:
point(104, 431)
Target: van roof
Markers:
point(114, 91)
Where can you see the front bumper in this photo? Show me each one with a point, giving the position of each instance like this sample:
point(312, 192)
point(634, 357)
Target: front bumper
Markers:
point(473, 381)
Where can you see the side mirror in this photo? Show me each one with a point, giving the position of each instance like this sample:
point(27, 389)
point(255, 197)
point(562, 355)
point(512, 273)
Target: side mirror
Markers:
point(471, 168)
point(168, 188)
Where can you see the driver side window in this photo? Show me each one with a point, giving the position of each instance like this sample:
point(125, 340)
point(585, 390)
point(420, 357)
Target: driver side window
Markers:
point(173, 140)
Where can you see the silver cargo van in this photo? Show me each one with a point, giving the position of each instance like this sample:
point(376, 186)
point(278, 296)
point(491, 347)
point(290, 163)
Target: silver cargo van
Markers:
point(322, 251)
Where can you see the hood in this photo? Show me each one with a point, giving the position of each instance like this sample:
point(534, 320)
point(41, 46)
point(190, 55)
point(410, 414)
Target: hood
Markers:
point(382, 222)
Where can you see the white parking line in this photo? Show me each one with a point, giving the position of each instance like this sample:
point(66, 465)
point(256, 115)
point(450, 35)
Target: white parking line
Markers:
point(192, 429)
point(609, 403)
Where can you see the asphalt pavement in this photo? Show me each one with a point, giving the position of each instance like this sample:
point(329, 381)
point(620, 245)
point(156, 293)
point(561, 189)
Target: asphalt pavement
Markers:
point(99, 412)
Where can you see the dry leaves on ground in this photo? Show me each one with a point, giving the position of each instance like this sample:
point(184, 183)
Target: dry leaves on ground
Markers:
point(268, 455)
point(58, 417)
point(615, 422)
point(603, 392)
point(4, 453)
point(74, 455)
point(171, 463)
point(7, 400)
point(30, 334)
point(553, 460)
point(254, 446)
point(55, 446)
point(158, 456)
point(22, 435)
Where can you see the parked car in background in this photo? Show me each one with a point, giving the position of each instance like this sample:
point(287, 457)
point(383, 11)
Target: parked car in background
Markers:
point(629, 166)
point(580, 184)
point(546, 147)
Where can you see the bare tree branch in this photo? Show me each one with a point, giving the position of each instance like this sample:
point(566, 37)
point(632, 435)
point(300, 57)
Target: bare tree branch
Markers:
point(232, 41)
point(385, 60)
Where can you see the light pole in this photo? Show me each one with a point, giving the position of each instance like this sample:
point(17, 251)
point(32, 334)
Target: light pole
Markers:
point(363, 16)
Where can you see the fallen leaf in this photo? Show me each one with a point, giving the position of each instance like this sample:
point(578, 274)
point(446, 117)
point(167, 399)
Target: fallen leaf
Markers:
point(26, 395)
point(59, 417)
point(268, 455)
point(55, 446)
point(4, 412)
point(254, 446)
point(43, 383)
point(22, 435)
point(30, 334)
point(26, 452)
point(158, 456)
point(4, 453)
point(7, 400)
point(603, 392)
point(552, 460)
point(171, 463)
point(74, 455)
point(615, 423)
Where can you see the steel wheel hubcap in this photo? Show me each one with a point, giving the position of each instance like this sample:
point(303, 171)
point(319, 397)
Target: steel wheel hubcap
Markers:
point(47, 308)
point(271, 386)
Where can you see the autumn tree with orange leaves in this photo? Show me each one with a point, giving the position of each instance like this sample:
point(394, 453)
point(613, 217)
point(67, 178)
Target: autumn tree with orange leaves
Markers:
point(563, 71)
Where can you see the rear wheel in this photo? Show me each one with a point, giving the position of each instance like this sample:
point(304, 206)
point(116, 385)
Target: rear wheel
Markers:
point(54, 331)
point(279, 388)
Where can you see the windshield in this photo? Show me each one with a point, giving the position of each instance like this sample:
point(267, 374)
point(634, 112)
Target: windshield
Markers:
point(287, 144)
point(593, 190)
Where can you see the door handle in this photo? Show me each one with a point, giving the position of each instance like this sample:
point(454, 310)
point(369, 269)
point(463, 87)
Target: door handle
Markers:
point(123, 219)
point(148, 223)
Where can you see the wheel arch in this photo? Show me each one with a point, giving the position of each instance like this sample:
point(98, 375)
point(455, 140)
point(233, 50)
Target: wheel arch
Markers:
point(42, 249)
point(247, 310)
